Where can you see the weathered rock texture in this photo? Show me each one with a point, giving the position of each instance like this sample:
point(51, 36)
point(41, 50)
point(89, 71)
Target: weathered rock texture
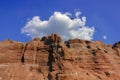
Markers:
point(49, 59)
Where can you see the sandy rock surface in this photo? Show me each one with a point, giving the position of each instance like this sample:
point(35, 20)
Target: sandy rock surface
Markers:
point(50, 59)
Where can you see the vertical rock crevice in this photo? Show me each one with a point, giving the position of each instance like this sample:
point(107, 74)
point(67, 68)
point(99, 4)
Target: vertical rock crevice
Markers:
point(23, 53)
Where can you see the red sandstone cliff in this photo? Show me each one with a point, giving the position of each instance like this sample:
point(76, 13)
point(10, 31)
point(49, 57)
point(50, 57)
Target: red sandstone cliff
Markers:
point(49, 59)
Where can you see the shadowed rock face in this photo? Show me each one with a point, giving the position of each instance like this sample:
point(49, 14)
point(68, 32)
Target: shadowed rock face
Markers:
point(49, 59)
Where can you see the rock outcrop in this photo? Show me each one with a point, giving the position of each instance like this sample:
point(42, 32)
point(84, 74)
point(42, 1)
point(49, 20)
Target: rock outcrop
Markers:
point(49, 59)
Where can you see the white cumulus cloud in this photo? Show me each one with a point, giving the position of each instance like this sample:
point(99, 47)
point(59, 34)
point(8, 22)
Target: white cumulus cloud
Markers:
point(61, 23)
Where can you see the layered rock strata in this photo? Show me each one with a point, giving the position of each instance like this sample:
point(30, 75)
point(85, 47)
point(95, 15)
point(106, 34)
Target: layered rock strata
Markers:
point(49, 59)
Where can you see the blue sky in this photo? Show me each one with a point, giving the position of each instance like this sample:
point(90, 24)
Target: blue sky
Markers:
point(104, 15)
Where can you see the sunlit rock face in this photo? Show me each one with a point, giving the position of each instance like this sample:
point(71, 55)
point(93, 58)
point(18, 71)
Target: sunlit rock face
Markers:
point(49, 58)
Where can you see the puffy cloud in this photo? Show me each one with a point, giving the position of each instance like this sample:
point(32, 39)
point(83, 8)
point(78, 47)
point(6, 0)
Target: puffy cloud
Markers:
point(60, 23)
point(104, 37)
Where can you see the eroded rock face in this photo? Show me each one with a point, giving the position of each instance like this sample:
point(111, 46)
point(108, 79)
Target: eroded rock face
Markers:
point(49, 59)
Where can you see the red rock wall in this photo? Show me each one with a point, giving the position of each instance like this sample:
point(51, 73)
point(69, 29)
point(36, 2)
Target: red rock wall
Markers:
point(49, 59)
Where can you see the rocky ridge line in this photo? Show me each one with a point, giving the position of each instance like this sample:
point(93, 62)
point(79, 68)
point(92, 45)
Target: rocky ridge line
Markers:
point(49, 59)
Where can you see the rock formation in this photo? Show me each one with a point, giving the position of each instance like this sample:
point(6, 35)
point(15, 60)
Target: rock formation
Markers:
point(49, 59)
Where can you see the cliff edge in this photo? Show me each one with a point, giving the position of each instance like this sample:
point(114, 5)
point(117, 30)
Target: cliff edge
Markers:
point(50, 59)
